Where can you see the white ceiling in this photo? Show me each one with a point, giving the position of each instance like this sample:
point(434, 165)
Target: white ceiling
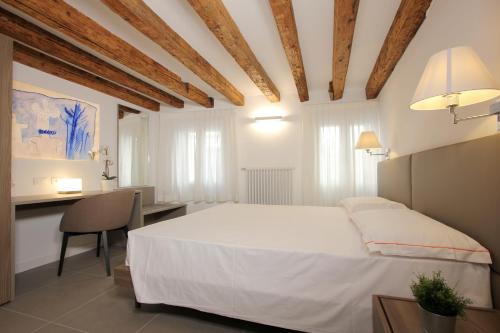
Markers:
point(314, 20)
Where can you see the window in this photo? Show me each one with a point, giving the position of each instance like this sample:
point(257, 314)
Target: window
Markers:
point(213, 153)
point(207, 156)
point(197, 157)
point(333, 169)
point(191, 157)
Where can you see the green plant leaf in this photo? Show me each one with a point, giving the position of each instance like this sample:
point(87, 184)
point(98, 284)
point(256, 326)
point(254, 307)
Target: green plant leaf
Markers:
point(434, 295)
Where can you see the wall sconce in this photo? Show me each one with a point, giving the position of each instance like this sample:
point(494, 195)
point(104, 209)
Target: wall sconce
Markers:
point(453, 78)
point(368, 140)
point(268, 119)
point(69, 185)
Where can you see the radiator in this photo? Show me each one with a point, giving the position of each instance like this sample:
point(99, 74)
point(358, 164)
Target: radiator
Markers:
point(269, 186)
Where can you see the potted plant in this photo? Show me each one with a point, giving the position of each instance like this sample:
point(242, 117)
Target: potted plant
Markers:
point(439, 304)
point(108, 183)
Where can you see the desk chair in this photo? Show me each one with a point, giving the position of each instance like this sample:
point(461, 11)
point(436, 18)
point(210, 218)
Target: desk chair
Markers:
point(97, 215)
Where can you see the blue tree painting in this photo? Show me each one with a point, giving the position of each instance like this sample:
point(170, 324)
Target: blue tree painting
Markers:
point(77, 133)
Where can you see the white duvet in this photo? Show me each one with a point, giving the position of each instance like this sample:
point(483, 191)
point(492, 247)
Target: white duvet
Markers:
point(297, 267)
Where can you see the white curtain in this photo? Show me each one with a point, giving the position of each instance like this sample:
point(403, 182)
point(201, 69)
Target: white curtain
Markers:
point(133, 150)
point(333, 169)
point(197, 157)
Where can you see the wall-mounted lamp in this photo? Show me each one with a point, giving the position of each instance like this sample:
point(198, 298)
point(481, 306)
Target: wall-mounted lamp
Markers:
point(368, 140)
point(69, 185)
point(268, 119)
point(453, 78)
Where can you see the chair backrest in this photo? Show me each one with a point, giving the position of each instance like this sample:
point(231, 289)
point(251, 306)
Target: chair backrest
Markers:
point(98, 213)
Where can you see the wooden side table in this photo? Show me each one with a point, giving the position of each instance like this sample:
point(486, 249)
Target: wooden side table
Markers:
point(401, 315)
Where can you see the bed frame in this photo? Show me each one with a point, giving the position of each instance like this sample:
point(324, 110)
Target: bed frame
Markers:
point(458, 185)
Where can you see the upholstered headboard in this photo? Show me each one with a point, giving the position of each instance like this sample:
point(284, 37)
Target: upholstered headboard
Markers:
point(394, 180)
point(458, 185)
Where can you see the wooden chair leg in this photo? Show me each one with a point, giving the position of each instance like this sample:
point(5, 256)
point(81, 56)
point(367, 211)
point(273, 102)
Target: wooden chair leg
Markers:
point(125, 231)
point(106, 253)
point(98, 251)
point(63, 253)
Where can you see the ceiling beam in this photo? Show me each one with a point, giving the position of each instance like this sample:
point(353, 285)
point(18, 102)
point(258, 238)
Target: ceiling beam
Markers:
point(125, 108)
point(33, 36)
point(408, 19)
point(285, 21)
point(47, 64)
point(344, 21)
point(122, 109)
point(218, 20)
point(141, 17)
point(67, 20)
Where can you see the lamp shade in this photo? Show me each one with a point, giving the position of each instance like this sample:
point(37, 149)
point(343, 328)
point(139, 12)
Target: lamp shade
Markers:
point(368, 140)
point(456, 71)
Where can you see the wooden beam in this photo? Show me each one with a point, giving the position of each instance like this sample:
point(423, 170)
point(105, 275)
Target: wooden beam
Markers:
point(218, 20)
point(127, 109)
point(285, 21)
point(67, 20)
point(344, 21)
point(140, 16)
point(408, 19)
point(43, 62)
point(28, 33)
point(6, 209)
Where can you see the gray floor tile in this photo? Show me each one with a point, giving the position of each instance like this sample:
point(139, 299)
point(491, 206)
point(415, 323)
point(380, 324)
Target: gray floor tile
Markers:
point(11, 322)
point(111, 312)
point(180, 323)
point(37, 277)
point(55, 328)
point(55, 300)
point(99, 269)
point(88, 259)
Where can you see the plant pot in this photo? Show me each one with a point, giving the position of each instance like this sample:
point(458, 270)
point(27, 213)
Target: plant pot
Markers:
point(109, 185)
point(434, 323)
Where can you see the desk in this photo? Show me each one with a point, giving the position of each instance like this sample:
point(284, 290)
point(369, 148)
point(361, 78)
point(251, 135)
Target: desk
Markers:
point(51, 200)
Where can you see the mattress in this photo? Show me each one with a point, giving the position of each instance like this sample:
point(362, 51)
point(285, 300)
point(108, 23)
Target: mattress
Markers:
point(297, 267)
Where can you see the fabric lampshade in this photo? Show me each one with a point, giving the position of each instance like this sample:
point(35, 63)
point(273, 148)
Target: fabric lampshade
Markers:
point(458, 72)
point(368, 140)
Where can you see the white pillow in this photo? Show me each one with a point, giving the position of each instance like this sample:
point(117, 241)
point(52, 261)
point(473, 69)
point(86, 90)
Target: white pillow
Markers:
point(357, 204)
point(405, 232)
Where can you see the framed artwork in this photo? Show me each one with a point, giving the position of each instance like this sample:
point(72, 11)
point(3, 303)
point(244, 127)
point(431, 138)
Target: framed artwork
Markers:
point(49, 125)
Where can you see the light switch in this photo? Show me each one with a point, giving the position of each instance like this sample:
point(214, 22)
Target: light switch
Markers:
point(40, 180)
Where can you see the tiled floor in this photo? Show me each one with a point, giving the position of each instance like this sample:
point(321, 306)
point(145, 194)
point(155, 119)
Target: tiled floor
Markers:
point(83, 299)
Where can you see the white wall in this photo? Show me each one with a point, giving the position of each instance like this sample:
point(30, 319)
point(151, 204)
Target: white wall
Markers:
point(449, 23)
point(37, 236)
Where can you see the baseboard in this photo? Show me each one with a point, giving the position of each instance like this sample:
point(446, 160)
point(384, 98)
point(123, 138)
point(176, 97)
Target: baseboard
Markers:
point(47, 259)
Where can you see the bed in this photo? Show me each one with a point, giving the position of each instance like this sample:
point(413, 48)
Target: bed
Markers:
point(307, 268)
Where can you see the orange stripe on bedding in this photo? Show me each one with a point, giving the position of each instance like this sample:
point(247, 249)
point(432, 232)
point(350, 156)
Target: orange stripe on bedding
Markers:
point(431, 246)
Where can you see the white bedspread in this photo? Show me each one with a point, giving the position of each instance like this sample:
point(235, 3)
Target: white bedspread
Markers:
point(297, 267)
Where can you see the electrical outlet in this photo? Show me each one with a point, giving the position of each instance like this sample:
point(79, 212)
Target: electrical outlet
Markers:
point(40, 180)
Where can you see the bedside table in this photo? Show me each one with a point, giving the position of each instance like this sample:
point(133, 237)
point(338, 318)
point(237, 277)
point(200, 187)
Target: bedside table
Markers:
point(401, 315)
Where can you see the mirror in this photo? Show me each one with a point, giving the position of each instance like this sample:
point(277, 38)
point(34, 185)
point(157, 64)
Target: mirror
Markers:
point(132, 147)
